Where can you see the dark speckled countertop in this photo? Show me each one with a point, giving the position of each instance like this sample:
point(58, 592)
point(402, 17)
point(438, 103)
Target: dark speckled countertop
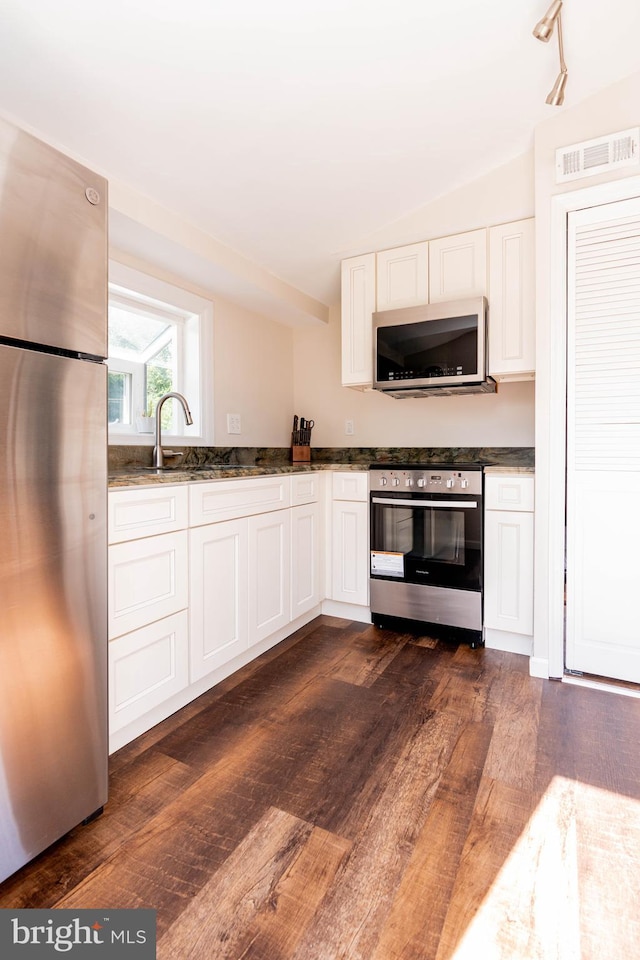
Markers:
point(131, 465)
point(139, 476)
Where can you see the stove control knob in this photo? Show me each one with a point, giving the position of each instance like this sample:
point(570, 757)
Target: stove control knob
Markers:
point(395, 482)
point(408, 482)
point(450, 482)
point(421, 481)
point(383, 481)
point(464, 483)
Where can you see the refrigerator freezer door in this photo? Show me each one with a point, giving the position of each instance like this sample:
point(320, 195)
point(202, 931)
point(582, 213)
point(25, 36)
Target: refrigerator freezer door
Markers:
point(53, 247)
point(53, 616)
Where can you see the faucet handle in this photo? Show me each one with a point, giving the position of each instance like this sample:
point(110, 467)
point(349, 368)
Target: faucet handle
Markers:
point(173, 453)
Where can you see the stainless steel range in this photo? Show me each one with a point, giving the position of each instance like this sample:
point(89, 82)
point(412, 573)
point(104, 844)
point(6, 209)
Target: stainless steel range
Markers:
point(426, 546)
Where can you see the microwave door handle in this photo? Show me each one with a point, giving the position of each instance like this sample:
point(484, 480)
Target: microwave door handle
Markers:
point(447, 504)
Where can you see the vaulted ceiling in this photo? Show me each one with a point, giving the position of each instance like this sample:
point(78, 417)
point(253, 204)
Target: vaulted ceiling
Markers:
point(290, 131)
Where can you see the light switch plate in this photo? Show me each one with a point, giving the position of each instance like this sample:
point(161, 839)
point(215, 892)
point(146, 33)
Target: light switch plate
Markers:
point(348, 427)
point(234, 423)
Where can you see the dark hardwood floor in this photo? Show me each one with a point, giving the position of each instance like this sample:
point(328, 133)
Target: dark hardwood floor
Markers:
point(360, 794)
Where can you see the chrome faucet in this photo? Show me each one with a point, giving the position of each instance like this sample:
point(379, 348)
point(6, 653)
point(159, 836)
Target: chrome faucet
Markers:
point(158, 455)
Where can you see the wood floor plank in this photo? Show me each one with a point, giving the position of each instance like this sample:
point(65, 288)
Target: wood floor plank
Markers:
point(465, 687)
point(283, 921)
point(494, 886)
point(351, 919)
point(591, 736)
point(218, 917)
point(516, 698)
point(420, 906)
point(368, 656)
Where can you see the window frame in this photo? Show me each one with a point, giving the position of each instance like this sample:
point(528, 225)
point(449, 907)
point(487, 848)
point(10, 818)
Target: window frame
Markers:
point(193, 316)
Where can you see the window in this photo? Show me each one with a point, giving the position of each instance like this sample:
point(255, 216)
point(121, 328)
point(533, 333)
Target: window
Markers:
point(159, 341)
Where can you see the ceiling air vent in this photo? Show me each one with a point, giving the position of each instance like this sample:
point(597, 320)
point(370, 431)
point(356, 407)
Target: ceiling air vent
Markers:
point(596, 156)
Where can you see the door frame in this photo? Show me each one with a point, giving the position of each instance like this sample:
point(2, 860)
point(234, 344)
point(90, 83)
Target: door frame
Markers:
point(551, 395)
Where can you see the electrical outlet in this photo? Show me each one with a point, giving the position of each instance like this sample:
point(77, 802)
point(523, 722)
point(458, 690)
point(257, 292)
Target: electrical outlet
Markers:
point(234, 423)
point(348, 427)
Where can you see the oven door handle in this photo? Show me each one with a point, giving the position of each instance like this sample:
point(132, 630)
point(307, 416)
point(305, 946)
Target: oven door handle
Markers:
point(447, 504)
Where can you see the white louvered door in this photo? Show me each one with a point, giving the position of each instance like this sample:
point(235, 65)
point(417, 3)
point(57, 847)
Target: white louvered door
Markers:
point(603, 441)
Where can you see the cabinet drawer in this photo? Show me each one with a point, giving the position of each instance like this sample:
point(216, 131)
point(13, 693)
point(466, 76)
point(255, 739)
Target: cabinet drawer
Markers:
point(148, 580)
point(350, 486)
point(229, 499)
point(305, 488)
point(147, 667)
point(146, 511)
point(509, 493)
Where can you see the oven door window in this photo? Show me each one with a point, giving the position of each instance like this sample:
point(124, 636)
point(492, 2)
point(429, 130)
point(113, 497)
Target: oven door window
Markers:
point(427, 541)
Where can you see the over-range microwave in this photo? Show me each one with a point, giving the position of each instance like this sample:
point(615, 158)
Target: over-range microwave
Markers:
point(435, 347)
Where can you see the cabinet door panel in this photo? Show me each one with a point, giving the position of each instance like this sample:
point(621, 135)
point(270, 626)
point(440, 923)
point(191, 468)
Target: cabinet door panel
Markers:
point(508, 593)
point(148, 580)
point(269, 574)
point(458, 266)
point(402, 276)
point(218, 601)
point(350, 552)
point(512, 301)
point(358, 304)
point(147, 667)
point(305, 558)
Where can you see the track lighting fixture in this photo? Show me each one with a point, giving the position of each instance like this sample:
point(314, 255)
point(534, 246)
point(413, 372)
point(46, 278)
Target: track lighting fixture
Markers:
point(543, 30)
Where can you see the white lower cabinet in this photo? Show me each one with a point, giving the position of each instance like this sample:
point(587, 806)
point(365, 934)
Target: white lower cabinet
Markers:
point(218, 597)
point(350, 555)
point(349, 536)
point(508, 567)
point(269, 574)
point(306, 558)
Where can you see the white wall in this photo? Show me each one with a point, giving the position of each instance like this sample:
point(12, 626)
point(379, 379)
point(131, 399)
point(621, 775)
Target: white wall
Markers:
point(613, 109)
point(253, 364)
point(503, 419)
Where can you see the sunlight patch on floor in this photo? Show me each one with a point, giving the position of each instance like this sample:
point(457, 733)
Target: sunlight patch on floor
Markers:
point(548, 902)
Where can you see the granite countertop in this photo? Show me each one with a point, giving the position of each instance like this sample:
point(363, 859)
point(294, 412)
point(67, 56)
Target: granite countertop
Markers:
point(129, 466)
point(140, 476)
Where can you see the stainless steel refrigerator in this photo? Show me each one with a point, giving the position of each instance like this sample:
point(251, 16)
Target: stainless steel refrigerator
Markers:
point(53, 496)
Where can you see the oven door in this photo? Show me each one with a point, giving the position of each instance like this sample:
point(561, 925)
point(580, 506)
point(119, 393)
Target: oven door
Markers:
point(433, 540)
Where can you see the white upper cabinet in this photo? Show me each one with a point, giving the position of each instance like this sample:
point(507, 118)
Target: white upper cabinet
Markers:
point(512, 301)
point(497, 263)
point(358, 304)
point(458, 266)
point(402, 277)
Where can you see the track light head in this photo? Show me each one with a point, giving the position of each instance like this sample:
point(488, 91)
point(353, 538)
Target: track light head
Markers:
point(543, 30)
point(556, 97)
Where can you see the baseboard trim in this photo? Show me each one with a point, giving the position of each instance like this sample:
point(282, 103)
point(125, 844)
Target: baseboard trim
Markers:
point(539, 667)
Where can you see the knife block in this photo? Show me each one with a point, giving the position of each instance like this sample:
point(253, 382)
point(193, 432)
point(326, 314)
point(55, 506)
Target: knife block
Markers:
point(300, 454)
